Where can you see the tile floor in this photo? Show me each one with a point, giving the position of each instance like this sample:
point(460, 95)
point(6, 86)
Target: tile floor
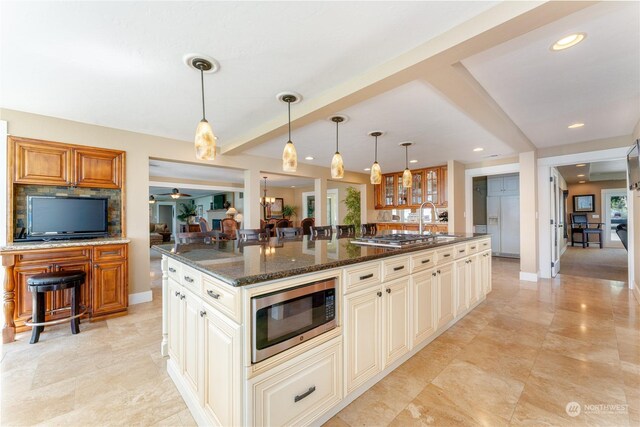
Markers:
point(518, 358)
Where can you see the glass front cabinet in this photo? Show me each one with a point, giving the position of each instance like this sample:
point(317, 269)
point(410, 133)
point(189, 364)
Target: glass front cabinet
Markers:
point(428, 185)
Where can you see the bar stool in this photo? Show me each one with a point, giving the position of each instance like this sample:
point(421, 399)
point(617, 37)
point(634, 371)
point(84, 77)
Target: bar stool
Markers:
point(55, 281)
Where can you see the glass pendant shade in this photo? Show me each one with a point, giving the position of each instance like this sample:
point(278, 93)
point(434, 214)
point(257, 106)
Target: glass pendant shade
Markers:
point(376, 173)
point(337, 166)
point(205, 141)
point(406, 178)
point(289, 158)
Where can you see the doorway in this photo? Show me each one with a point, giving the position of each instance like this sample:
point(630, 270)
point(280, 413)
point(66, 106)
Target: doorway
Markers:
point(166, 215)
point(615, 212)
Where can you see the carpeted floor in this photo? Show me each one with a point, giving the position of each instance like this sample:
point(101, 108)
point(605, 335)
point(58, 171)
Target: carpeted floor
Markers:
point(605, 263)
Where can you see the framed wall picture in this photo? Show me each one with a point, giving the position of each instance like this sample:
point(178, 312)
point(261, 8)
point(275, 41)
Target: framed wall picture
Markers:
point(199, 211)
point(274, 210)
point(584, 203)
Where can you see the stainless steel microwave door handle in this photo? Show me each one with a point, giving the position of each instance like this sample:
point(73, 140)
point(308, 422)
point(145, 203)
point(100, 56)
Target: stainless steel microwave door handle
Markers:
point(299, 397)
point(213, 294)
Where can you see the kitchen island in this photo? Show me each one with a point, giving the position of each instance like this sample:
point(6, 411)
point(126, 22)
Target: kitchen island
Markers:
point(388, 304)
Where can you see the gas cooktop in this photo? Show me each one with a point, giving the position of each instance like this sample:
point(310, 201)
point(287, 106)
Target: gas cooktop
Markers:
point(394, 240)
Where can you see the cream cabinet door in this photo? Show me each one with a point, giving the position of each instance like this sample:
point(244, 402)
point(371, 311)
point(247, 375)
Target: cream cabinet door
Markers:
point(192, 343)
point(424, 296)
point(445, 294)
point(474, 279)
point(396, 319)
point(363, 339)
point(175, 322)
point(485, 271)
point(461, 283)
point(222, 369)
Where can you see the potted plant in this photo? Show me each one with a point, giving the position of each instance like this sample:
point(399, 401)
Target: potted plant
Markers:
point(352, 202)
point(187, 212)
point(289, 211)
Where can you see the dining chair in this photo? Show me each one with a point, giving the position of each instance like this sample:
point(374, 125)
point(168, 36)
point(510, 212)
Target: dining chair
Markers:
point(306, 225)
point(346, 230)
point(323, 230)
point(251, 234)
point(369, 229)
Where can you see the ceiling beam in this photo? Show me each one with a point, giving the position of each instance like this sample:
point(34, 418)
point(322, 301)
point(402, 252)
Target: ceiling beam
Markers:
point(492, 27)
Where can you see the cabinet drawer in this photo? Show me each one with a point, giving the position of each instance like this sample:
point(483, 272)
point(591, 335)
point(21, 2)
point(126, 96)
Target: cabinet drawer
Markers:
point(109, 252)
point(191, 279)
point(422, 261)
point(395, 268)
point(444, 255)
point(175, 270)
point(473, 247)
point(56, 255)
point(222, 297)
point(300, 393)
point(460, 251)
point(361, 276)
point(485, 244)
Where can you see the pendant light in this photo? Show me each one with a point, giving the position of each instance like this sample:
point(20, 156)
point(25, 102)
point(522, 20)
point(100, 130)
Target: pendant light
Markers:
point(289, 155)
point(337, 164)
point(376, 172)
point(205, 140)
point(152, 200)
point(406, 175)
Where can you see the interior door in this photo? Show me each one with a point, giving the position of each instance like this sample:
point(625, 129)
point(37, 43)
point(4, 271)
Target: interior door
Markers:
point(555, 219)
point(614, 213)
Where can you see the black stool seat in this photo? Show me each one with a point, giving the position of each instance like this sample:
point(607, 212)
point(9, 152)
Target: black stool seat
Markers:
point(54, 281)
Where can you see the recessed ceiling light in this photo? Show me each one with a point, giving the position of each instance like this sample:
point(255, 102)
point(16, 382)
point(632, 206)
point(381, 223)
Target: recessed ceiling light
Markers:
point(575, 125)
point(478, 149)
point(582, 182)
point(367, 169)
point(413, 161)
point(568, 41)
point(293, 186)
point(308, 158)
point(580, 175)
point(579, 165)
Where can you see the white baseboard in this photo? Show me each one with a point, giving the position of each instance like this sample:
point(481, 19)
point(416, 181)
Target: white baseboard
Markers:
point(140, 297)
point(636, 293)
point(529, 277)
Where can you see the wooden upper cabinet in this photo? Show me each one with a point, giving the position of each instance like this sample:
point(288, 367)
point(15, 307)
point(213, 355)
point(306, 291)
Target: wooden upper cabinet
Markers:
point(36, 162)
point(53, 163)
point(428, 185)
point(97, 168)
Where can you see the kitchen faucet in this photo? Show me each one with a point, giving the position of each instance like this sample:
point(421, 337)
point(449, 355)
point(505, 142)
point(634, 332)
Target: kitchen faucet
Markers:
point(435, 212)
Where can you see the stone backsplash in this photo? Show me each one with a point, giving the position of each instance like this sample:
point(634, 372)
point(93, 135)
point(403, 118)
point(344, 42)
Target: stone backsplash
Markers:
point(22, 191)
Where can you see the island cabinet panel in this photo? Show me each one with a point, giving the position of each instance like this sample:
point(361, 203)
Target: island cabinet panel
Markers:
point(396, 320)
point(97, 168)
point(302, 392)
point(485, 272)
point(175, 321)
point(363, 336)
point(37, 163)
point(446, 292)
point(474, 279)
point(424, 295)
point(222, 369)
point(192, 348)
point(461, 286)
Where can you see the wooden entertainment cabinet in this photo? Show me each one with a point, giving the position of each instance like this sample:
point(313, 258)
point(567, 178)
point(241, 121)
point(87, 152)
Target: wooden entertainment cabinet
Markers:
point(105, 292)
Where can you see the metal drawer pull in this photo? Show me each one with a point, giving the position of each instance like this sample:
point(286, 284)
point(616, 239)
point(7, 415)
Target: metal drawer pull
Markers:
point(473, 247)
point(203, 313)
point(299, 397)
point(388, 290)
point(213, 294)
point(398, 268)
point(188, 279)
point(438, 271)
point(424, 261)
point(177, 293)
point(366, 276)
point(182, 296)
point(171, 269)
point(379, 293)
point(110, 253)
point(461, 250)
point(446, 255)
point(434, 274)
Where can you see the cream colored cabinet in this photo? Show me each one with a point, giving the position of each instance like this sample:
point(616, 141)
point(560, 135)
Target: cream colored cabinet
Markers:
point(446, 302)
point(396, 319)
point(474, 279)
point(363, 341)
point(222, 374)
point(424, 294)
point(461, 286)
point(175, 315)
point(485, 271)
point(192, 348)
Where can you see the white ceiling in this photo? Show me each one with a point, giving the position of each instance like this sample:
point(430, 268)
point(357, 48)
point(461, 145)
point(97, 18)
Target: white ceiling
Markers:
point(119, 64)
point(412, 112)
point(596, 171)
point(596, 82)
point(181, 172)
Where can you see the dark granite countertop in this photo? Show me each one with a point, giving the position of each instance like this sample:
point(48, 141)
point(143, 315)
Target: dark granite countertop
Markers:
point(244, 263)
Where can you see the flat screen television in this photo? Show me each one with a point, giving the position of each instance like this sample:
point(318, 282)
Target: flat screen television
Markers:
point(218, 201)
point(66, 217)
point(633, 166)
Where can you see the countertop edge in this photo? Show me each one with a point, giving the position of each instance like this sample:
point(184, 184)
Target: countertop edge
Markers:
point(267, 277)
point(21, 247)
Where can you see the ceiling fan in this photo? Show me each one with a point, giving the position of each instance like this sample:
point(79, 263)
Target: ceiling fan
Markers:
point(175, 194)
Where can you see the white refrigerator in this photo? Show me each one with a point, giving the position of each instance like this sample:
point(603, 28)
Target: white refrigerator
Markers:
point(503, 223)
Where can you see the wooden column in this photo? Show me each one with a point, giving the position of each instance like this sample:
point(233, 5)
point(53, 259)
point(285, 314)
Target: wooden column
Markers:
point(9, 327)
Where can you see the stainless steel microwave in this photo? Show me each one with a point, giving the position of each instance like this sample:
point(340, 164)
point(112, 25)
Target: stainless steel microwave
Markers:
point(286, 318)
